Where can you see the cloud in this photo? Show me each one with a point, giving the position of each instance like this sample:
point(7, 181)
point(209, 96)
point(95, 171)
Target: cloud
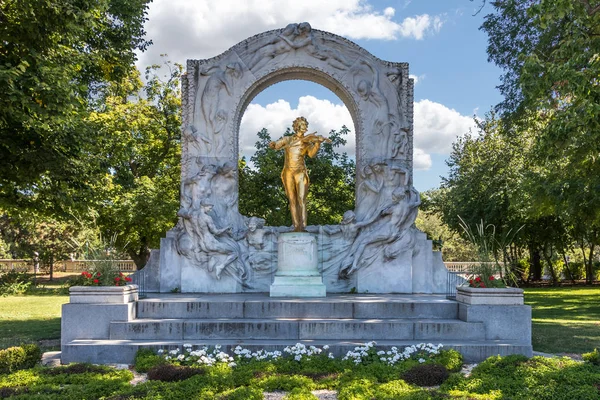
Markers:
point(322, 116)
point(205, 28)
point(417, 78)
point(436, 126)
point(421, 160)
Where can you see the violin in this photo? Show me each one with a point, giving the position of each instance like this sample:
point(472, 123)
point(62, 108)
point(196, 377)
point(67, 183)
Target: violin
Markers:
point(314, 138)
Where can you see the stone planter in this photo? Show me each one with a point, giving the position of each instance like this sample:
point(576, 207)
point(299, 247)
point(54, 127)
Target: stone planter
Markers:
point(489, 296)
point(103, 294)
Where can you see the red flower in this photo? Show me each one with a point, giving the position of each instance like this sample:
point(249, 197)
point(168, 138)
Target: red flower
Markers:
point(117, 279)
point(120, 274)
point(83, 273)
point(471, 281)
point(482, 285)
point(492, 278)
point(128, 279)
point(478, 279)
point(96, 281)
point(98, 274)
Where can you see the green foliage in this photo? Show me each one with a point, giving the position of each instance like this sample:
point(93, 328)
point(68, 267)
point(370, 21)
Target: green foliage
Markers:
point(33, 355)
point(21, 357)
point(430, 220)
point(14, 283)
point(300, 394)
point(331, 190)
point(172, 373)
point(549, 51)
point(12, 359)
point(78, 368)
point(592, 357)
point(145, 359)
point(426, 375)
point(451, 359)
point(55, 55)
point(139, 150)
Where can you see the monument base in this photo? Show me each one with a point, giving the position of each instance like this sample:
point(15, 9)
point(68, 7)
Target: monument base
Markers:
point(297, 267)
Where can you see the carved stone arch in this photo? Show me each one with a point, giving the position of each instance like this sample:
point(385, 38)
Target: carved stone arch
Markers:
point(215, 249)
point(298, 73)
point(377, 93)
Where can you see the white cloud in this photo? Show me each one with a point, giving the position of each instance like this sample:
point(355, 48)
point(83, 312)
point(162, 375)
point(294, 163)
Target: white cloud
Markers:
point(420, 25)
point(417, 78)
point(205, 28)
point(421, 160)
point(322, 116)
point(437, 126)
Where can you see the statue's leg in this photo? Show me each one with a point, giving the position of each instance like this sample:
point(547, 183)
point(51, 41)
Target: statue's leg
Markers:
point(289, 185)
point(302, 185)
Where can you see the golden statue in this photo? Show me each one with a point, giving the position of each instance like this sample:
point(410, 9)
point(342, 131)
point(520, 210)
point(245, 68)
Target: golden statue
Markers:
point(294, 175)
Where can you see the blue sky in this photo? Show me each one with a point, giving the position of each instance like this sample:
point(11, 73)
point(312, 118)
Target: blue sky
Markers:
point(440, 39)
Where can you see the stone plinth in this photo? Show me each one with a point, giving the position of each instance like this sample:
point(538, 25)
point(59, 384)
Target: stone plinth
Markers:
point(103, 294)
point(489, 296)
point(297, 267)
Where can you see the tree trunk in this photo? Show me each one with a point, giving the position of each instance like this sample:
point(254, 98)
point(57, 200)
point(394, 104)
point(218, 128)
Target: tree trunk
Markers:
point(51, 267)
point(140, 257)
point(536, 263)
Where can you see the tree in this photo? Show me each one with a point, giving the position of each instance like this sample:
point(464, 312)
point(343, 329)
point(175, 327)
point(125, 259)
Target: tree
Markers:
point(331, 190)
point(550, 52)
point(54, 56)
point(139, 149)
point(430, 220)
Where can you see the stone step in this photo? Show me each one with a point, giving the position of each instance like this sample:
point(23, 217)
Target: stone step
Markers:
point(123, 351)
point(261, 306)
point(298, 329)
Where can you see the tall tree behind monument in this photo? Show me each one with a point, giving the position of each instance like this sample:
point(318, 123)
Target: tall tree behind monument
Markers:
point(332, 183)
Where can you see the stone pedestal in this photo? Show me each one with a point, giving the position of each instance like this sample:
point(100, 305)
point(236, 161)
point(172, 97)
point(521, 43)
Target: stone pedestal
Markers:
point(297, 267)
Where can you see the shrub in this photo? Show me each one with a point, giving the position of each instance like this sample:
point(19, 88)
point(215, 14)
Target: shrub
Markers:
point(33, 355)
point(12, 359)
point(14, 283)
point(78, 368)
point(451, 359)
point(426, 375)
point(145, 359)
point(172, 373)
point(592, 358)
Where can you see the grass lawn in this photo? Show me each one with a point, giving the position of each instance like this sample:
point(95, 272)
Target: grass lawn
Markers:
point(27, 319)
point(565, 319)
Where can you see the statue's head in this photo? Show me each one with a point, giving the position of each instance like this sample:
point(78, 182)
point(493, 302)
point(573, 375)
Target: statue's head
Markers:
point(255, 223)
point(363, 88)
point(300, 123)
point(304, 28)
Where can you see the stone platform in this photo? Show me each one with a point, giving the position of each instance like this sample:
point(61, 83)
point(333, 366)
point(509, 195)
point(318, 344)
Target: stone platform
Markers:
point(256, 321)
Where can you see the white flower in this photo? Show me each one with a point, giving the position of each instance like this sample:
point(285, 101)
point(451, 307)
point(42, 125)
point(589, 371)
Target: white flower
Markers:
point(181, 357)
point(298, 358)
point(326, 347)
point(421, 360)
point(330, 355)
point(160, 351)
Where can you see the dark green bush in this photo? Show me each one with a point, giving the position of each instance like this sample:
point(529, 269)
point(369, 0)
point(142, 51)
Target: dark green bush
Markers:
point(172, 373)
point(12, 359)
point(13, 283)
point(78, 368)
point(33, 355)
point(426, 375)
point(145, 359)
point(592, 358)
point(451, 359)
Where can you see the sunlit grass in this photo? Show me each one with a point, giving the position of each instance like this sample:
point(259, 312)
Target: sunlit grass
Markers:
point(27, 319)
point(565, 320)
